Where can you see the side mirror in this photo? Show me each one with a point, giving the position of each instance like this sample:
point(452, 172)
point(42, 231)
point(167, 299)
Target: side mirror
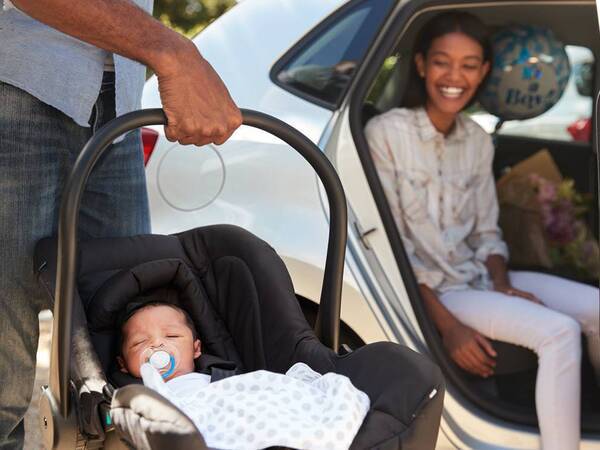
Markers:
point(584, 78)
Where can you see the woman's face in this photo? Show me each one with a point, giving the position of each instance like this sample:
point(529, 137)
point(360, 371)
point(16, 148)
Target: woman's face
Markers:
point(453, 69)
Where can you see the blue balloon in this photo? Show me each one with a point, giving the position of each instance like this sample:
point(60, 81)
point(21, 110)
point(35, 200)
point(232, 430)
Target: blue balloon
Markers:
point(529, 73)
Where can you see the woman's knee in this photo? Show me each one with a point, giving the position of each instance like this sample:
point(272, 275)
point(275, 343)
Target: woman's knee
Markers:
point(562, 333)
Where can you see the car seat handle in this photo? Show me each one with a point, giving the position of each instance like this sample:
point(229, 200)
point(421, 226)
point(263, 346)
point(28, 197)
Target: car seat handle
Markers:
point(328, 318)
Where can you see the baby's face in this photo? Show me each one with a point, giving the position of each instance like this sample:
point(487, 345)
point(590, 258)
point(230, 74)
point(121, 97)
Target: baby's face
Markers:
point(152, 326)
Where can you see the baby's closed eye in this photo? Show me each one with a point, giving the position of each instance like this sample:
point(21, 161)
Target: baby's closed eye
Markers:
point(138, 343)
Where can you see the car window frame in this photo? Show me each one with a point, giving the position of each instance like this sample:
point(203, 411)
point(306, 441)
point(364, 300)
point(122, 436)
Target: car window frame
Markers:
point(301, 44)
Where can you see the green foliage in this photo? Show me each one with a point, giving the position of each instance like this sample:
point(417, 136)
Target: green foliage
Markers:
point(189, 17)
point(382, 78)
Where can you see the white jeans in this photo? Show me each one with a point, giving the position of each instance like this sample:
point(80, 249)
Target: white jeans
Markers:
point(552, 331)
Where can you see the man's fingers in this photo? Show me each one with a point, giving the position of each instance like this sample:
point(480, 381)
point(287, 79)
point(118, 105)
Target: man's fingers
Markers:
point(198, 106)
point(202, 134)
point(196, 139)
point(189, 140)
point(225, 137)
point(171, 133)
point(221, 140)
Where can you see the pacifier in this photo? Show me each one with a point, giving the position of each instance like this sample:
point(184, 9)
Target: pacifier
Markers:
point(163, 358)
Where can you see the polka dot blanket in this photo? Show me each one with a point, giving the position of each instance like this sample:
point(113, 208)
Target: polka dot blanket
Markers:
point(301, 409)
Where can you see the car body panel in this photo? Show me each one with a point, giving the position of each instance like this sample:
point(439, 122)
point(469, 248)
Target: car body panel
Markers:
point(250, 190)
point(248, 169)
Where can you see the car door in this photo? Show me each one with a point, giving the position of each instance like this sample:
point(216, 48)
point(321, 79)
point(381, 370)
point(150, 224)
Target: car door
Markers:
point(390, 278)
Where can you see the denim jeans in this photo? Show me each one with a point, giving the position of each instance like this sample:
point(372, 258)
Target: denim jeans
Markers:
point(38, 146)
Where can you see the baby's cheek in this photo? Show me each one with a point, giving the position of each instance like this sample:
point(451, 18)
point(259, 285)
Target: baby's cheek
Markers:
point(186, 365)
point(133, 364)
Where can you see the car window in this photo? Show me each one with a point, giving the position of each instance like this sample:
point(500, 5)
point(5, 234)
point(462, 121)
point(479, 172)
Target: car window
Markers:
point(321, 67)
point(569, 119)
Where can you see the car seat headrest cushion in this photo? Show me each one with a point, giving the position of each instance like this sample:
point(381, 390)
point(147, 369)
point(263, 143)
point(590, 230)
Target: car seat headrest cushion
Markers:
point(151, 281)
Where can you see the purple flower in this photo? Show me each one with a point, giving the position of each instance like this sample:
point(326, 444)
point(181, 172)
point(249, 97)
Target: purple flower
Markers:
point(547, 217)
point(546, 192)
point(560, 222)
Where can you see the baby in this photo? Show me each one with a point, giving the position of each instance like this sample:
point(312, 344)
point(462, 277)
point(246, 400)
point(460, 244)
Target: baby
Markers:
point(301, 409)
point(155, 326)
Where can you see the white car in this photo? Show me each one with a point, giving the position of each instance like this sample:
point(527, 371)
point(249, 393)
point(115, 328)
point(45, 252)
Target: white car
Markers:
point(325, 66)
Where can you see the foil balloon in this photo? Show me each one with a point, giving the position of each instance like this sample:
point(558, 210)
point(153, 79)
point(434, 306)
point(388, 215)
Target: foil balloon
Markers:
point(529, 73)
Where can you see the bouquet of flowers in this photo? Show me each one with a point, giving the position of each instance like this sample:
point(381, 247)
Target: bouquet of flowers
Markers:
point(542, 217)
point(563, 210)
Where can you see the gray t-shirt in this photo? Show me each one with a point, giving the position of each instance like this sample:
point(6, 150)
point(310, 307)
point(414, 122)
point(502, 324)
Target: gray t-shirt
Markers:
point(62, 71)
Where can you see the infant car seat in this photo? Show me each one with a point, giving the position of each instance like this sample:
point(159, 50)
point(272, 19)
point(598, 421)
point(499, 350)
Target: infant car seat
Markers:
point(242, 301)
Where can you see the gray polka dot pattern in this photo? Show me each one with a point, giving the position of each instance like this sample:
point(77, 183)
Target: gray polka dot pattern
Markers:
point(301, 409)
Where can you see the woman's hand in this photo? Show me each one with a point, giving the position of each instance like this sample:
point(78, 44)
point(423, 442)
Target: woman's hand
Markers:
point(496, 266)
point(509, 290)
point(470, 350)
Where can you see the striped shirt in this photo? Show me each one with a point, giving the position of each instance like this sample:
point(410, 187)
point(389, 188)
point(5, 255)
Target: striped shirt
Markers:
point(60, 70)
point(442, 195)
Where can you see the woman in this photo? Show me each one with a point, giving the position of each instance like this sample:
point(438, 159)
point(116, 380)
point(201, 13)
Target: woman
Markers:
point(435, 166)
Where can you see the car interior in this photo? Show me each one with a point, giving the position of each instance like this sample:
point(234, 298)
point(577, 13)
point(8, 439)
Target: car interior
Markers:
point(509, 394)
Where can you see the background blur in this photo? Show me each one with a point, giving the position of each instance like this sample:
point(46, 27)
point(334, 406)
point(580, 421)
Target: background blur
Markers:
point(189, 17)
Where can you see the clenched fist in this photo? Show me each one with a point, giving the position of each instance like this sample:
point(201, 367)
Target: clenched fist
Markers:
point(197, 104)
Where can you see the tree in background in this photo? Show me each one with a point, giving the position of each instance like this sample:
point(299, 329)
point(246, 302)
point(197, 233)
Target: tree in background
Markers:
point(189, 17)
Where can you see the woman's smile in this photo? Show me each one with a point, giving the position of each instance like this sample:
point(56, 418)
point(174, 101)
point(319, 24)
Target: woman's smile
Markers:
point(452, 70)
point(451, 92)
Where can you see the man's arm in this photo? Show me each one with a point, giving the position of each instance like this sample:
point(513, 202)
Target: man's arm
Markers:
point(196, 102)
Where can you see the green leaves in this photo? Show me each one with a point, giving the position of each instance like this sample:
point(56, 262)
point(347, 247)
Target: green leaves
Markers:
point(189, 17)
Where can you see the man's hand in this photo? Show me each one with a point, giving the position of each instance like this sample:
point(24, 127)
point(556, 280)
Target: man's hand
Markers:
point(507, 289)
point(470, 350)
point(197, 104)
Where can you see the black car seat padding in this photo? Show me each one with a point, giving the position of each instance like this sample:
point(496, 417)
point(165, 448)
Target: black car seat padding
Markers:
point(240, 279)
point(156, 280)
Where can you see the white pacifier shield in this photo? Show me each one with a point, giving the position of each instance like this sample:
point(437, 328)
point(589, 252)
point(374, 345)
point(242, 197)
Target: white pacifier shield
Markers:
point(159, 359)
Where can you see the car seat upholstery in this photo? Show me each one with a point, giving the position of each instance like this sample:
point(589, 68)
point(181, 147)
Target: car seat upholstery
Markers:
point(241, 299)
